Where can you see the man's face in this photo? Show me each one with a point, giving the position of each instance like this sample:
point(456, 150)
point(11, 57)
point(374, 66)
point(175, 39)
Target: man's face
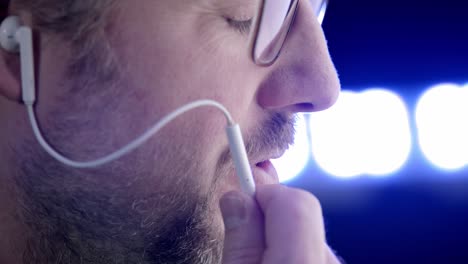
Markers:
point(160, 202)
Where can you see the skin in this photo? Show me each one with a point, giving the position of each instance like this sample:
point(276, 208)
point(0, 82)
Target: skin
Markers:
point(162, 55)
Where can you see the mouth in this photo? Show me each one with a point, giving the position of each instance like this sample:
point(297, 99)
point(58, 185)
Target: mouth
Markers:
point(265, 173)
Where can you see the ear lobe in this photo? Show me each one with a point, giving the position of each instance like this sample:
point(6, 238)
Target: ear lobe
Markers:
point(10, 86)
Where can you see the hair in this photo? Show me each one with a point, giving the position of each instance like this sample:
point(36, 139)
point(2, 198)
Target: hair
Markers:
point(84, 25)
point(73, 20)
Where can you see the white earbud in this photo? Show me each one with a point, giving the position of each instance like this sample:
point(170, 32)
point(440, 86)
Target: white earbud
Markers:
point(14, 37)
point(8, 31)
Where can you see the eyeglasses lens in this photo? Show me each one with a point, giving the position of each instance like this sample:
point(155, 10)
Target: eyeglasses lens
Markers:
point(275, 19)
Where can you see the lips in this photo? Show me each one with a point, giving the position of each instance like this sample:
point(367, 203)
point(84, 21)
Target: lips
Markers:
point(265, 173)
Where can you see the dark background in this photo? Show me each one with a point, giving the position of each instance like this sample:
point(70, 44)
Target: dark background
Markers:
point(420, 214)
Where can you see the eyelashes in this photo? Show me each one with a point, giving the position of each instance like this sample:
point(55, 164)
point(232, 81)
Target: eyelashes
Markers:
point(243, 26)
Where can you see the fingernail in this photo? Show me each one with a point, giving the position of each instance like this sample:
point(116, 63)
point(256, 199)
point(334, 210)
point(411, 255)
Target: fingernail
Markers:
point(234, 210)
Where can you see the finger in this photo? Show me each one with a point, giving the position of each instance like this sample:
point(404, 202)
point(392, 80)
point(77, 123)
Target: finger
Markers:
point(294, 231)
point(244, 233)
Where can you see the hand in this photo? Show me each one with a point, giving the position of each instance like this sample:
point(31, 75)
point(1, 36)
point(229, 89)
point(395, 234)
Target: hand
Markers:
point(283, 226)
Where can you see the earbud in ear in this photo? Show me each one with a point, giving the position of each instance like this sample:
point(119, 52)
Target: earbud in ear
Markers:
point(8, 30)
point(14, 37)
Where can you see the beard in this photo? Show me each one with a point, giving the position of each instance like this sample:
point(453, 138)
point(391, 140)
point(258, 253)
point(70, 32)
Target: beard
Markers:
point(105, 215)
point(99, 215)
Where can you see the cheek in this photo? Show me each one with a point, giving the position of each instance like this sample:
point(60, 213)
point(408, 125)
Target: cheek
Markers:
point(171, 68)
point(204, 58)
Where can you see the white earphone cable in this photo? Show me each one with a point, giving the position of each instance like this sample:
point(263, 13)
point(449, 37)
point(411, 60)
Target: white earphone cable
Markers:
point(130, 146)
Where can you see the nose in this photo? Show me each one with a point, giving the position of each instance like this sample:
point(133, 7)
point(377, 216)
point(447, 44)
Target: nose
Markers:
point(303, 79)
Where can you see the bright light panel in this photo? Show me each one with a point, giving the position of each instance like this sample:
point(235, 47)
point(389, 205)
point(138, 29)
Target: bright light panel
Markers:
point(364, 133)
point(297, 156)
point(442, 122)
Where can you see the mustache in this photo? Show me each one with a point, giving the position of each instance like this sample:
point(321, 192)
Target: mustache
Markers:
point(275, 133)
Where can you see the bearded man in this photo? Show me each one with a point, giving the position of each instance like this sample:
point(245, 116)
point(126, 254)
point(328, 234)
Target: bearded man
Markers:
point(106, 70)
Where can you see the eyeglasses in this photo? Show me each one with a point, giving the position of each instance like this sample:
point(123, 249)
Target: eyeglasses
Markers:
point(272, 24)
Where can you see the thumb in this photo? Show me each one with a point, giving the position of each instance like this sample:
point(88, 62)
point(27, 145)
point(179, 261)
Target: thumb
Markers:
point(244, 231)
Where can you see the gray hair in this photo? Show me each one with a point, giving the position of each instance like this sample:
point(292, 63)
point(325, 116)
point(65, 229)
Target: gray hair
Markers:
point(73, 20)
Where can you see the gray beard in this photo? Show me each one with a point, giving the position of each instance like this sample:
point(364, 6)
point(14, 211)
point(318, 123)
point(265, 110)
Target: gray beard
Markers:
point(99, 215)
point(72, 220)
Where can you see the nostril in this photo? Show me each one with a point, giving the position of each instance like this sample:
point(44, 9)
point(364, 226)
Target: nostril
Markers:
point(304, 107)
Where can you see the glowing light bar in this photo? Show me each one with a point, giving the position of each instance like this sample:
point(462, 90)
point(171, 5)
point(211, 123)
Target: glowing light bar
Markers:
point(442, 122)
point(364, 133)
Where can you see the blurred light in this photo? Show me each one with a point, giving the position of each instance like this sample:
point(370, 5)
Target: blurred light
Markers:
point(364, 133)
point(297, 156)
point(442, 122)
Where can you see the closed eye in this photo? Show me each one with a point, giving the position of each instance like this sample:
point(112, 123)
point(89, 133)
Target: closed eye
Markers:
point(243, 26)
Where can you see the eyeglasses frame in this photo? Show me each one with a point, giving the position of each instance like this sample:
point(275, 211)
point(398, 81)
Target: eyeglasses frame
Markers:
point(289, 20)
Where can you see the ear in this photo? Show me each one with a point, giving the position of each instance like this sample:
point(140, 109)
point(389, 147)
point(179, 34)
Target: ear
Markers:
point(10, 79)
